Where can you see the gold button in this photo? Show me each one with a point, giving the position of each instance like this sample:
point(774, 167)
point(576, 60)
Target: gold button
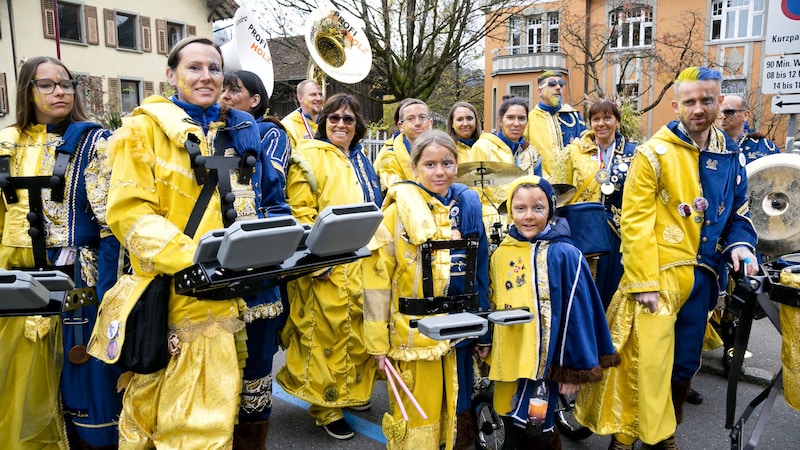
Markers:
point(705, 239)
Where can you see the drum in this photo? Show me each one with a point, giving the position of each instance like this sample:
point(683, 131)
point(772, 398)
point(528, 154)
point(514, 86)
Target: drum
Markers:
point(588, 224)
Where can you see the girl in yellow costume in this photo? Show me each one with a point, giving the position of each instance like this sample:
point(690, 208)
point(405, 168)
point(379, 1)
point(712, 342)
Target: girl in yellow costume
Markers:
point(327, 363)
point(436, 209)
point(193, 402)
point(52, 128)
point(567, 344)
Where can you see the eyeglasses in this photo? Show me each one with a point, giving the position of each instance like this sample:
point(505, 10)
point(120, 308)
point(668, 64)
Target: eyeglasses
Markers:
point(730, 112)
point(422, 118)
point(552, 82)
point(47, 87)
point(333, 119)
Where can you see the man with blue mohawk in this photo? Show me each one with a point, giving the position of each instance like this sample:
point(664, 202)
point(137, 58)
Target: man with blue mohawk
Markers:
point(686, 214)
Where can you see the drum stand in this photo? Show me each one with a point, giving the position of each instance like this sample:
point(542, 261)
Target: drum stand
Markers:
point(749, 293)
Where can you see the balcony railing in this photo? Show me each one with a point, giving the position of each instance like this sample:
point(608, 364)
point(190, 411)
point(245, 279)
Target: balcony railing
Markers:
point(517, 60)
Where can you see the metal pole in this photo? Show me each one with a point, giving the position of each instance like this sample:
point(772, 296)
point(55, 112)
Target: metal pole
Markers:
point(791, 133)
point(55, 24)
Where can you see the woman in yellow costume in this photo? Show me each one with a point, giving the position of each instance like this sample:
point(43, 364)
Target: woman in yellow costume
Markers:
point(327, 363)
point(597, 165)
point(194, 401)
point(434, 209)
point(464, 126)
point(506, 145)
point(52, 137)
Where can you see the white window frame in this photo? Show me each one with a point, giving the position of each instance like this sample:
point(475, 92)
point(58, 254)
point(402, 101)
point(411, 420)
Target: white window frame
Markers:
point(515, 35)
point(626, 21)
point(535, 34)
point(737, 19)
point(553, 26)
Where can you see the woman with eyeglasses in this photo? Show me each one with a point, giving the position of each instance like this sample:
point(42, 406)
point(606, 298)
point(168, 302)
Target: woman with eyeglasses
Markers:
point(161, 173)
point(506, 145)
point(327, 363)
point(433, 210)
point(597, 165)
point(264, 313)
point(53, 218)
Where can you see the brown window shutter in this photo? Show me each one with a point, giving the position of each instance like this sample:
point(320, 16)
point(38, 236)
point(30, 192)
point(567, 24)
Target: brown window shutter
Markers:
point(114, 96)
point(3, 94)
point(191, 30)
point(110, 19)
point(161, 36)
point(49, 19)
point(96, 93)
point(148, 88)
point(146, 35)
point(92, 30)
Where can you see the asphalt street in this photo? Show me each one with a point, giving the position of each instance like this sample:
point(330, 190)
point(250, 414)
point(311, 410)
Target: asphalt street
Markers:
point(703, 426)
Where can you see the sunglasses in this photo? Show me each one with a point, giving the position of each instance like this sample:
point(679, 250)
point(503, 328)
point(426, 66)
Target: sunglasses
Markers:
point(552, 82)
point(731, 112)
point(333, 119)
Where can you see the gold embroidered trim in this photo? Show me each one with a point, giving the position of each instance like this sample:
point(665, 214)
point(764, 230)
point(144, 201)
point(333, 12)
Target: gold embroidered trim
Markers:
point(188, 331)
point(265, 311)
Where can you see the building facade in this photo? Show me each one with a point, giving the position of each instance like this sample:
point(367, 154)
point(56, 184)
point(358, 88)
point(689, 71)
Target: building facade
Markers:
point(116, 48)
point(631, 50)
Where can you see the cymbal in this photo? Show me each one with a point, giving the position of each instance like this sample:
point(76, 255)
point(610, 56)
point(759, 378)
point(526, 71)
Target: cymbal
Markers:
point(775, 202)
point(564, 192)
point(481, 173)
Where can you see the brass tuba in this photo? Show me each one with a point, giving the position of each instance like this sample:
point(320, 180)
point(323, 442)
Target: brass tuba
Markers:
point(338, 48)
point(248, 49)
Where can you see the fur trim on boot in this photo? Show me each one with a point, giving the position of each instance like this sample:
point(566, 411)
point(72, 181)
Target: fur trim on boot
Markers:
point(250, 435)
point(680, 390)
point(465, 431)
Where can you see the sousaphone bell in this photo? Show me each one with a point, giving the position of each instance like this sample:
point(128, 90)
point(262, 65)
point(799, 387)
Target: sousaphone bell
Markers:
point(338, 48)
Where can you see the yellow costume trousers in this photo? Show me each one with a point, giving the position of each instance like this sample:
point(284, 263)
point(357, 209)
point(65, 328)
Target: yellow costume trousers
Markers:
point(635, 398)
point(192, 404)
point(438, 400)
point(30, 367)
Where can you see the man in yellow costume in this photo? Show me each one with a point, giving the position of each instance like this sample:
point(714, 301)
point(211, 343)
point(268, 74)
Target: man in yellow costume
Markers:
point(686, 214)
point(393, 162)
point(301, 124)
point(552, 125)
point(685, 211)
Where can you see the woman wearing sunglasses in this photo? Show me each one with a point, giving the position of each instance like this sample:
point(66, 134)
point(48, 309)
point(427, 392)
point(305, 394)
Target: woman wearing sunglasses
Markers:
point(53, 138)
point(327, 363)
